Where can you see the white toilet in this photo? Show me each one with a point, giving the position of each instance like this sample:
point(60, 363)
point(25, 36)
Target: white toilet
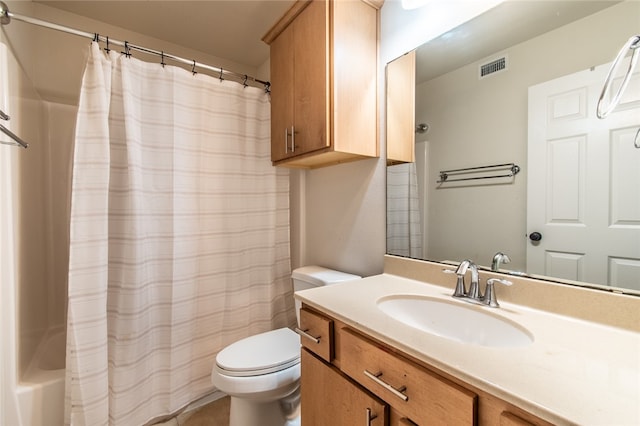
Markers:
point(261, 373)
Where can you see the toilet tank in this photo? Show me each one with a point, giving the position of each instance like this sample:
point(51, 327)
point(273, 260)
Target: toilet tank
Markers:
point(316, 276)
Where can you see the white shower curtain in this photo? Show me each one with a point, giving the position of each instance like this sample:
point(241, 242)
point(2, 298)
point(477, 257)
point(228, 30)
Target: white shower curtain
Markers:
point(404, 225)
point(179, 237)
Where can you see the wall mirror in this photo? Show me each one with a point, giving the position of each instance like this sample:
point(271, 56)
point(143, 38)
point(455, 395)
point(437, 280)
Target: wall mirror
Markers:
point(517, 86)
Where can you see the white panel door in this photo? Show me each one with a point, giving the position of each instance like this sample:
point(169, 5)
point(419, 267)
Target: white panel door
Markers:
point(583, 182)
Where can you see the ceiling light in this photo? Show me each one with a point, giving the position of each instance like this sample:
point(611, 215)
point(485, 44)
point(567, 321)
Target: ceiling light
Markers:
point(413, 4)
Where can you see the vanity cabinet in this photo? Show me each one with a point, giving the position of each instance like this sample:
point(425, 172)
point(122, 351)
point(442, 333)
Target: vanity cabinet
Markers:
point(328, 397)
point(420, 395)
point(364, 378)
point(401, 101)
point(323, 84)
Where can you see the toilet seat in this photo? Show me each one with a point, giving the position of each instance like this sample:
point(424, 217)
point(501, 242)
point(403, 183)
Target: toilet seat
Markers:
point(260, 354)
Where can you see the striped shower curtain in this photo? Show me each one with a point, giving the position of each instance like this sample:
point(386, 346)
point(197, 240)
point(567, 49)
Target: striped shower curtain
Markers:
point(179, 237)
point(404, 225)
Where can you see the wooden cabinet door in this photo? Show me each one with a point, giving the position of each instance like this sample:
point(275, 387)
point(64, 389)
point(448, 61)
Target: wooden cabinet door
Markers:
point(311, 78)
point(281, 94)
point(330, 398)
point(401, 89)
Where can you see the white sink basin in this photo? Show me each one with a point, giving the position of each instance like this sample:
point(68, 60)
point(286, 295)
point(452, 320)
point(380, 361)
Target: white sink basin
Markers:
point(453, 320)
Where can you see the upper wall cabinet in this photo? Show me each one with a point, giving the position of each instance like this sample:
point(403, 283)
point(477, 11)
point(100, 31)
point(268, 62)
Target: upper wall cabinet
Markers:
point(401, 99)
point(324, 106)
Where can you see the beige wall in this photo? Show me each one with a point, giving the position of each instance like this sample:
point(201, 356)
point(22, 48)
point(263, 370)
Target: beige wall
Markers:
point(55, 61)
point(479, 122)
point(338, 217)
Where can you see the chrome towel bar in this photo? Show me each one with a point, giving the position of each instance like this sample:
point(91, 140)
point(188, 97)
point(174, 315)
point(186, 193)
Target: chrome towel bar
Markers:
point(15, 139)
point(512, 168)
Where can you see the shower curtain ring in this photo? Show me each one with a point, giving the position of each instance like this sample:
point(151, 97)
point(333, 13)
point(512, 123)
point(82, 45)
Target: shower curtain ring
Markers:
point(106, 49)
point(244, 82)
point(193, 68)
point(267, 88)
point(96, 37)
point(221, 71)
point(162, 59)
point(127, 51)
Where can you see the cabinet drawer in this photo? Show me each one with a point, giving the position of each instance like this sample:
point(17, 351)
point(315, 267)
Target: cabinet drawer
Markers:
point(316, 333)
point(421, 395)
point(328, 397)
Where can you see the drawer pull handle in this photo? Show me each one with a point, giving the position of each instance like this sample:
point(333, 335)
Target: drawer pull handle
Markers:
point(387, 386)
point(307, 335)
point(286, 140)
point(370, 416)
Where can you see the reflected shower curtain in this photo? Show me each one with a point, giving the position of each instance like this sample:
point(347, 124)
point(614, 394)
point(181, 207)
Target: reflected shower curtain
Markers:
point(404, 226)
point(179, 237)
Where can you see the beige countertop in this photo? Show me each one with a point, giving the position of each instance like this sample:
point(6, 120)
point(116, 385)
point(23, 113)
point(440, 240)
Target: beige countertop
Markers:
point(574, 372)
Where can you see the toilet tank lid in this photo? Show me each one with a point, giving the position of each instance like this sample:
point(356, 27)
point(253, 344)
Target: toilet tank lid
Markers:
point(319, 276)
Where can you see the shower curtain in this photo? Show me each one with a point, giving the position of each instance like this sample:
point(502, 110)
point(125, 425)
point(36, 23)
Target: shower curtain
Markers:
point(404, 225)
point(179, 237)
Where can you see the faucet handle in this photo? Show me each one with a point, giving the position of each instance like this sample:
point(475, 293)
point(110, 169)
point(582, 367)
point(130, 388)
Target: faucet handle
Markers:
point(489, 298)
point(460, 290)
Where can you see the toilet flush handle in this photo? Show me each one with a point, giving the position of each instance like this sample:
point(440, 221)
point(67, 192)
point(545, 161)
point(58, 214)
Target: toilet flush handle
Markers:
point(307, 335)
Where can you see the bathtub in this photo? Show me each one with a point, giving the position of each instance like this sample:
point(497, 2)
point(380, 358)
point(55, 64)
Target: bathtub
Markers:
point(40, 392)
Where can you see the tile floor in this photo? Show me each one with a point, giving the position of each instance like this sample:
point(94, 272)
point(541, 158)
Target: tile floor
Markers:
point(215, 413)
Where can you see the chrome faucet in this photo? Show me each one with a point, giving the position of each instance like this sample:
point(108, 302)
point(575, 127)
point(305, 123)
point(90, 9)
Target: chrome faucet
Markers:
point(498, 258)
point(461, 270)
point(474, 295)
point(474, 287)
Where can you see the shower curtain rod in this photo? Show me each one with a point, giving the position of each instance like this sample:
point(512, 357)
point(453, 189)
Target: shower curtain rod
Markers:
point(6, 16)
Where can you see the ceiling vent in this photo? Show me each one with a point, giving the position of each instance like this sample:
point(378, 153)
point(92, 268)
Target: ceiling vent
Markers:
point(493, 67)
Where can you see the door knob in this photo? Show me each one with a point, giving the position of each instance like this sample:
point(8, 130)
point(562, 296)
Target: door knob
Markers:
point(535, 236)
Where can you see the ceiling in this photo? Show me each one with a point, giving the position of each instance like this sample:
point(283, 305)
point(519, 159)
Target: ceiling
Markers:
point(506, 25)
point(229, 29)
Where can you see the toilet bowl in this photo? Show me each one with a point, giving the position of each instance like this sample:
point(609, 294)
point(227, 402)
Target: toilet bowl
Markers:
point(261, 373)
point(257, 373)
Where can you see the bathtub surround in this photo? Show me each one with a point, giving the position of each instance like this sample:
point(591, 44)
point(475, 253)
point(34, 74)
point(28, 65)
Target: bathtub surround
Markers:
point(33, 253)
point(179, 236)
